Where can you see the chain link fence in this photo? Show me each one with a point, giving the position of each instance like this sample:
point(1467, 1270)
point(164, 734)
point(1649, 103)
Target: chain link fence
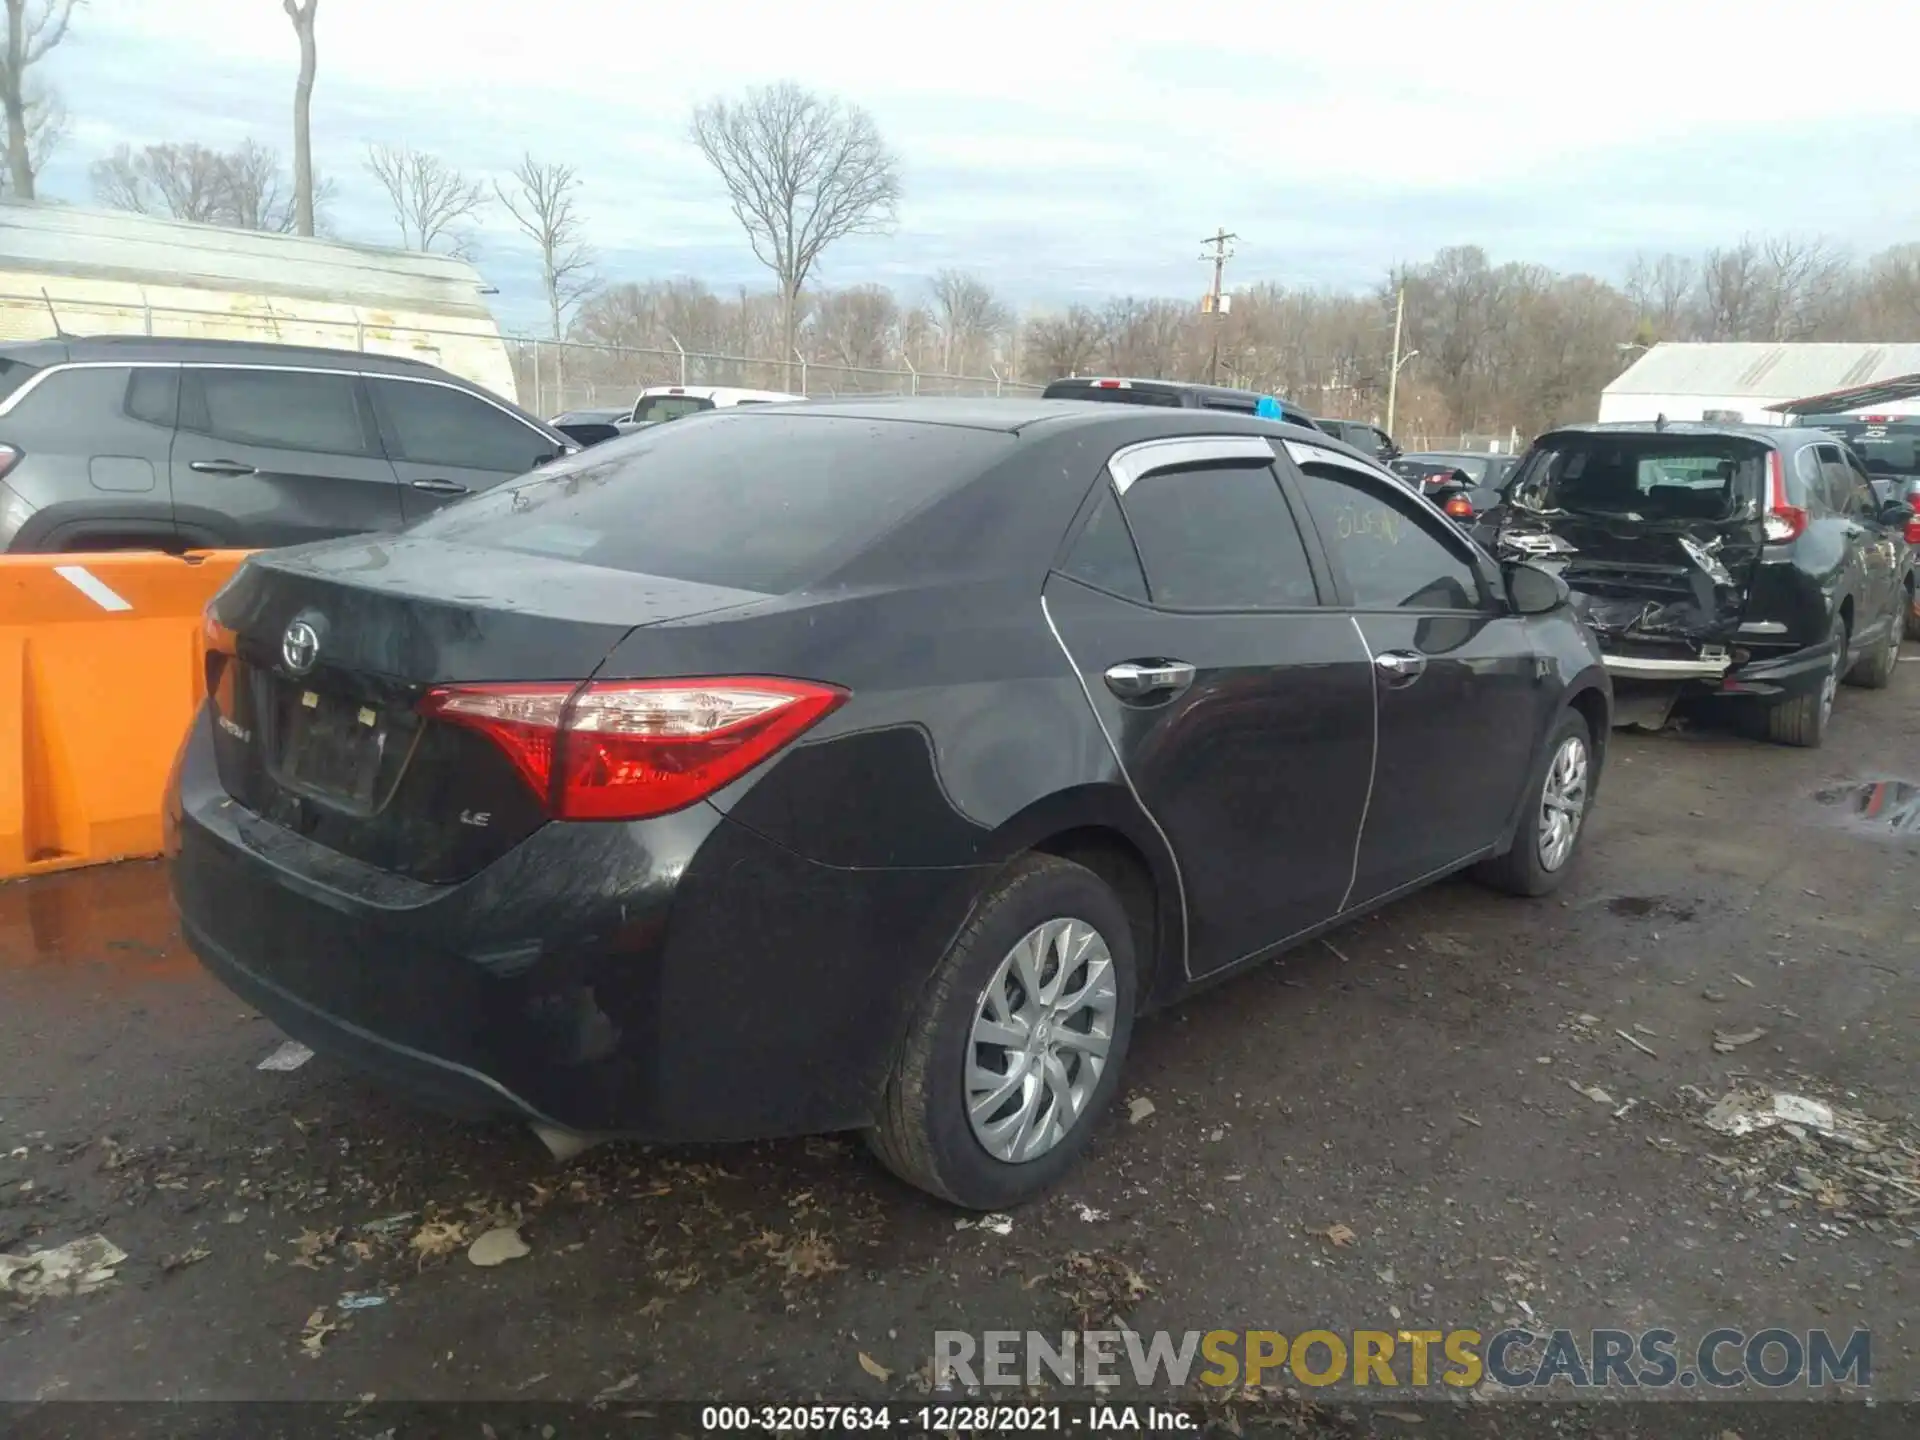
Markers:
point(554, 376)
point(544, 376)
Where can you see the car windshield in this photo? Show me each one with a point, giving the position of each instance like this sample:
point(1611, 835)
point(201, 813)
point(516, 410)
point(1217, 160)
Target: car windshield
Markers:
point(1641, 477)
point(1887, 447)
point(653, 408)
point(768, 502)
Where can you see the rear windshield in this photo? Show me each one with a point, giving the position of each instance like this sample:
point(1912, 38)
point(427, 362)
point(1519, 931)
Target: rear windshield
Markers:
point(14, 374)
point(757, 501)
point(1642, 477)
point(1133, 395)
point(669, 407)
point(1886, 448)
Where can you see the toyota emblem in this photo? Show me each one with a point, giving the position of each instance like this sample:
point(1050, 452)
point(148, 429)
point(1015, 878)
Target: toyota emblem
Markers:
point(300, 647)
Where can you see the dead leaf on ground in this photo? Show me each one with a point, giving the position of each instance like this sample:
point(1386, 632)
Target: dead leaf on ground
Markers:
point(1340, 1235)
point(438, 1239)
point(1725, 1042)
point(874, 1368)
point(184, 1259)
point(315, 1333)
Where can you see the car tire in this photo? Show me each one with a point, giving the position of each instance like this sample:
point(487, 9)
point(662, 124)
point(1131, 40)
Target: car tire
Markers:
point(1875, 671)
point(924, 1132)
point(1803, 720)
point(1531, 866)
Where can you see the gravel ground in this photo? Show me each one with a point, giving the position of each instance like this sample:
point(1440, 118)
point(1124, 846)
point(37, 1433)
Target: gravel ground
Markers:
point(1500, 1102)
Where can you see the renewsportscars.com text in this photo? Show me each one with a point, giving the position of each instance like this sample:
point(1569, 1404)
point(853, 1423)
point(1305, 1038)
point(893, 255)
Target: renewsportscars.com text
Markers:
point(1723, 1359)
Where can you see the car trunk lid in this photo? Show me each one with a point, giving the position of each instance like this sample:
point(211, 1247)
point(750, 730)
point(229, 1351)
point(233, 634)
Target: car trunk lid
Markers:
point(319, 660)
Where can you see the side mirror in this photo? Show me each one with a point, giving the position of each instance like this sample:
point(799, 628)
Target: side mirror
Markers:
point(1531, 590)
point(1897, 514)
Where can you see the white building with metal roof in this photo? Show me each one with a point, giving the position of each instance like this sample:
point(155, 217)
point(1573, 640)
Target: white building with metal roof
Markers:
point(112, 272)
point(1728, 381)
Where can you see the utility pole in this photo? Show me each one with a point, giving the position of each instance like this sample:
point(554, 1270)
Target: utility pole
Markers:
point(1221, 254)
point(1393, 378)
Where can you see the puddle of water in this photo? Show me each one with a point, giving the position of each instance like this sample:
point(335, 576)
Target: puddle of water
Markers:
point(1878, 807)
point(114, 915)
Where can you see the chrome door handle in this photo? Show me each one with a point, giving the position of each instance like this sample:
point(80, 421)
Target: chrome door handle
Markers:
point(1135, 680)
point(440, 487)
point(221, 467)
point(1400, 667)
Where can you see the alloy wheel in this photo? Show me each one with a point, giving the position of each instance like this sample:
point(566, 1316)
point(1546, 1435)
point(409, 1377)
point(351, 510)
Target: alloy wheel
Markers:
point(1563, 802)
point(1041, 1034)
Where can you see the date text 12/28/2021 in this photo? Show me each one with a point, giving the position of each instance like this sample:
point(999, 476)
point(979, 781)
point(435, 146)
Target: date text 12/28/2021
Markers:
point(920, 1419)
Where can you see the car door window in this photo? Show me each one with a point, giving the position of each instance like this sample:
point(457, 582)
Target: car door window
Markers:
point(1392, 554)
point(275, 409)
point(438, 425)
point(1865, 498)
point(1836, 480)
point(1103, 554)
point(1219, 537)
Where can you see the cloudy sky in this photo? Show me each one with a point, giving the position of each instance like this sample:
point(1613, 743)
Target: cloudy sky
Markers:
point(1068, 150)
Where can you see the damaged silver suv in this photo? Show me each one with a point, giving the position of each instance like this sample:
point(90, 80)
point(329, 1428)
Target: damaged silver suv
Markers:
point(1752, 561)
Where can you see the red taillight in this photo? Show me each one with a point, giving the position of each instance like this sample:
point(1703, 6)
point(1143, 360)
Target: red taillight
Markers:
point(1459, 507)
point(217, 637)
point(631, 749)
point(1784, 522)
point(1109, 384)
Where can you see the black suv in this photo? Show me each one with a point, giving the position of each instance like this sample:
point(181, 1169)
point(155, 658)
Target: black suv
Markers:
point(1367, 439)
point(1180, 393)
point(1755, 561)
point(116, 443)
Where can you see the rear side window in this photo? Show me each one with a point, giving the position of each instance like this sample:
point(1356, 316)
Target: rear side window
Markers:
point(1219, 537)
point(153, 395)
point(438, 425)
point(1103, 556)
point(760, 501)
point(1391, 554)
point(275, 409)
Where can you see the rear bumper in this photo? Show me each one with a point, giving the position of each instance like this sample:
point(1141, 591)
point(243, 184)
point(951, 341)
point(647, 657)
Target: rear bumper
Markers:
point(680, 979)
point(1775, 676)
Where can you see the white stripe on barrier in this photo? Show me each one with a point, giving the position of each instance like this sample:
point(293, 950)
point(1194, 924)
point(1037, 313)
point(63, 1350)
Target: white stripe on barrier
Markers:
point(91, 586)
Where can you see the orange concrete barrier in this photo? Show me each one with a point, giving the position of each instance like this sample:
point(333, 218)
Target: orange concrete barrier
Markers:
point(101, 667)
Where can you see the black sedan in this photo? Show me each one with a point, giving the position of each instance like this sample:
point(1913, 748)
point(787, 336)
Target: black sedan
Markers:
point(866, 765)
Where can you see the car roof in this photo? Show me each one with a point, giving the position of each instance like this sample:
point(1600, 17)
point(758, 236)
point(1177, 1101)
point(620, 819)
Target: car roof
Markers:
point(1779, 436)
point(1188, 387)
point(131, 348)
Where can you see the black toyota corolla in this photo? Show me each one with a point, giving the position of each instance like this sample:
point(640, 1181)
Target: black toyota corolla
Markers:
point(859, 766)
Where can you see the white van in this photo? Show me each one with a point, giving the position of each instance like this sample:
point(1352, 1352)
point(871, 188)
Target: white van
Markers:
point(671, 402)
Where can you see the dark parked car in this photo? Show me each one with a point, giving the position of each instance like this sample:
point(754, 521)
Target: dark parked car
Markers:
point(604, 802)
point(1368, 439)
point(139, 443)
point(1173, 393)
point(1434, 468)
point(1755, 562)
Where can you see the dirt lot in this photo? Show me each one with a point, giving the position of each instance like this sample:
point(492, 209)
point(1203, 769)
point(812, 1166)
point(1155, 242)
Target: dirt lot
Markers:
point(1500, 1100)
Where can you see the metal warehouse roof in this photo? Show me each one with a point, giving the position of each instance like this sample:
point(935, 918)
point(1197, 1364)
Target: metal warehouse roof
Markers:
point(147, 250)
point(1770, 371)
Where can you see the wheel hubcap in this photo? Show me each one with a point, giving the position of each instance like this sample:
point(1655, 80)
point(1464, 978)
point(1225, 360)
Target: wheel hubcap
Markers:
point(1563, 802)
point(1041, 1035)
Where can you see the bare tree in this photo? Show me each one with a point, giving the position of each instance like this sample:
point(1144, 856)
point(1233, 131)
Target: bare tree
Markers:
point(243, 188)
point(802, 171)
point(34, 28)
point(1062, 345)
point(304, 192)
point(541, 202)
point(428, 197)
point(967, 312)
point(857, 328)
point(46, 131)
point(186, 182)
